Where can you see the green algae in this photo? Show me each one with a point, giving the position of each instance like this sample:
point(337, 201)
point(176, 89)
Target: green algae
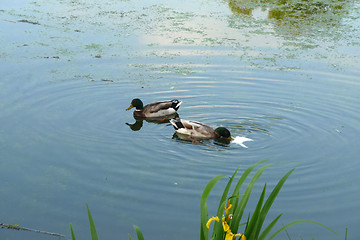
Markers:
point(258, 32)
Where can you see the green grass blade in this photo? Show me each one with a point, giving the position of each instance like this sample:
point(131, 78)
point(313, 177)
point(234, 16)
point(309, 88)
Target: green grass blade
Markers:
point(94, 235)
point(236, 196)
point(251, 229)
point(244, 176)
point(208, 188)
point(226, 191)
point(72, 233)
point(218, 229)
point(346, 234)
point(138, 233)
point(289, 237)
point(241, 181)
point(269, 228)
point(204, 232)
point(247, 222)
point(270, 200)
point(238, 212)
point(129, 236)
point(296, 222)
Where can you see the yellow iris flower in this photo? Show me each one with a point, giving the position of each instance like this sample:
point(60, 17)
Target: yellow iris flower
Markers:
point(229, 235)
point(211, 220)
point(227, 208)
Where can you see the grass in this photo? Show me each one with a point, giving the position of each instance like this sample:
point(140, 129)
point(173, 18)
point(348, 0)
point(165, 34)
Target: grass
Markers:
point(230, 212)
point(93, 232)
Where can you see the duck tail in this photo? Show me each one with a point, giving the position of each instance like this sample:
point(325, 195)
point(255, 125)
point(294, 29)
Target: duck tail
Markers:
point(177, 124)
point(176, 104)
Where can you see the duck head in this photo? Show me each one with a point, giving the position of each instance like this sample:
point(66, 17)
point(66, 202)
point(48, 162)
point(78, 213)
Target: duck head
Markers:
point(223, 133)
point(136, 103)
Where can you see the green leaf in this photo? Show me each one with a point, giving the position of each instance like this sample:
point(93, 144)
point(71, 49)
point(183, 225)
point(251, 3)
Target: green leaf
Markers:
point(218, 228)
point(238, 212)
point(94, 235)
point(269, 228)
point(226, 191)
point(129, 236)
point(236, 196)
point(241, 181)
point(204, 232)
point(346, 234)
point(252, 226)
point(296, 222)
point(244, 176)
point(138, 233)
point(72, 233)
point(270, 200)
point(208, 188)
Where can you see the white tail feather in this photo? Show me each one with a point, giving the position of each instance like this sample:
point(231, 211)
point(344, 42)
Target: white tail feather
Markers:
point(178, 105)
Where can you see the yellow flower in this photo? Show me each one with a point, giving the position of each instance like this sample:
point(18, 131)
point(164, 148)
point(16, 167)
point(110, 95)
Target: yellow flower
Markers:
point(227, 207)
point(226, 226)
point(211, 220)
point(242, 236)
point(229, 235)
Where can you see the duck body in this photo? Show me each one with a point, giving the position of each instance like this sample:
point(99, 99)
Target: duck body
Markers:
point(154, 110)
point(199, 130)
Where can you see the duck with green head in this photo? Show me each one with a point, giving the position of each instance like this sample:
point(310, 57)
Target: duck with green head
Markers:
point(154, 110)
point(199, 130)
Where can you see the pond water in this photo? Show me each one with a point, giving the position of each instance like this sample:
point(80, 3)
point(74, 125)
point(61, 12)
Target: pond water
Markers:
point(286, 76)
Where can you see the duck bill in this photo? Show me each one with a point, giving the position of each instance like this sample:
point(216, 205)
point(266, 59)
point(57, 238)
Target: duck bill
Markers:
point(130, 107)
point(230, 138)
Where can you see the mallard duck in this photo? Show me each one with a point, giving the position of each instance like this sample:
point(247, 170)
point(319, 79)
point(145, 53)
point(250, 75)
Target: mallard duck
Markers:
point(154, 110)
point(199, 130)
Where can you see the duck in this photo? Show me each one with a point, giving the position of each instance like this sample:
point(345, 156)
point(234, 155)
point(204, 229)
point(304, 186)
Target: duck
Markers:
point(154, 110)
point(195, 129)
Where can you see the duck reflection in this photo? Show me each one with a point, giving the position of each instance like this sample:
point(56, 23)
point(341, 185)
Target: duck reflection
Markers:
point(138, 124)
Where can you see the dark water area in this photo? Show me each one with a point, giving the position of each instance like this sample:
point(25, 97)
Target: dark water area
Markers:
point(286, 76)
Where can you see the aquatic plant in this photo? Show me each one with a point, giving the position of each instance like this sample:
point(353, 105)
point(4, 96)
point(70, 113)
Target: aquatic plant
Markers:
point(93, 232)
point(231, 210)
point(138, 233)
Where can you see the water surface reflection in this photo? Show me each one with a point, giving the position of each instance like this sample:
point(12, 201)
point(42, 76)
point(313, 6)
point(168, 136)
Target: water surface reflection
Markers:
point(296, 17)
point(137, 125)
point(286, 78)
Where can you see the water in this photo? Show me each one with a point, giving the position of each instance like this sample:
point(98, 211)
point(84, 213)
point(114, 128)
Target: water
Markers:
point(71, 69)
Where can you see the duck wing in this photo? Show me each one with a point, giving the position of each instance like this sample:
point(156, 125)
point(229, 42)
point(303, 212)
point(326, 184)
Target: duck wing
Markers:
point(161, 106)
point(192, 128)
point(202, 130)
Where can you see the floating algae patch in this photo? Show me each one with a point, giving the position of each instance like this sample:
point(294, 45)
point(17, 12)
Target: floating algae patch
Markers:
point(314, 31)
point(29, 21)
point(297, 17)
point(261, 33)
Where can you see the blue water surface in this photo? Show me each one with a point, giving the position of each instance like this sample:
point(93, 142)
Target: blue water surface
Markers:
point(69, 69)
